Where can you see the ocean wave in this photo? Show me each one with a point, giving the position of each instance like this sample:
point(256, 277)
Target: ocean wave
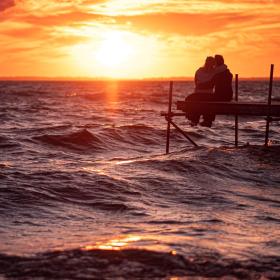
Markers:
point(23, 200)
point(48, 128)
point(85, 188)
point(4, 116)
point(204, 166)
point(133, 264)
point(24, 93)
point(3, 139)
point(138, 133)
point(6, 142)
point(79, 140)
point(107, 138)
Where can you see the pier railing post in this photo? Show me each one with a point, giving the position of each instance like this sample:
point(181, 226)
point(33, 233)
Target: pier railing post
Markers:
point(169, 116)
point(269, 104)
point(236, 116)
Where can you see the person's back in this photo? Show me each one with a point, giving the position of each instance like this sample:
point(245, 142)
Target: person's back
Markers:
point(204, 76)
point(222, 81)
point(203, 87)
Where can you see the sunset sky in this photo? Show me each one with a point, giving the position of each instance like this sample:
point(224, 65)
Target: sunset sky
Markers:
point(136, 38)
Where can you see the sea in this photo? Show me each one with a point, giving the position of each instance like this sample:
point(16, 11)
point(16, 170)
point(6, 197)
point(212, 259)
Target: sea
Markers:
point(87, 191)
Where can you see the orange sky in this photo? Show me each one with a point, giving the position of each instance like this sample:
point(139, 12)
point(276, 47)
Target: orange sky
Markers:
point(136, 38)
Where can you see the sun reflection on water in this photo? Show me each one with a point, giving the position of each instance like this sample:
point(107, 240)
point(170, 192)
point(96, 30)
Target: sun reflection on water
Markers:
point(130, 242)
point(114, 244)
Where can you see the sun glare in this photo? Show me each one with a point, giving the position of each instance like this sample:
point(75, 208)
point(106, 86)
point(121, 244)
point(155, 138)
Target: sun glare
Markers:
point(113, 50)
point(114, 53)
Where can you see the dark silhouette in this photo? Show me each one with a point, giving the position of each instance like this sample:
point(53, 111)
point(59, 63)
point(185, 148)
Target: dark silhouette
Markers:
point(203, 86)
point(221, 80)
point(204, 76)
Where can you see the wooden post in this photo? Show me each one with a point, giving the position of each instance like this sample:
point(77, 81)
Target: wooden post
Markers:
point(236, 116)
point(183, 133)
point(269, 104)
point(169, 116)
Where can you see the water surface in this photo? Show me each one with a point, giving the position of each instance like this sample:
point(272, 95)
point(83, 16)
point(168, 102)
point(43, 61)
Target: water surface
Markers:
point(83, 171)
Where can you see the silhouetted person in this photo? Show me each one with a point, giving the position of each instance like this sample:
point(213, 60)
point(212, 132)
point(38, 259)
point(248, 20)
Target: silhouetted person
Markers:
point(222, 82)
point(203, 86)
point(204, 75)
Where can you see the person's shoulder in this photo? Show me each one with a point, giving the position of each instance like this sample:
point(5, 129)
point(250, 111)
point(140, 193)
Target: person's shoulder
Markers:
point(228, 73)
point(224, 72)
point(199, 70)
point(221, 75)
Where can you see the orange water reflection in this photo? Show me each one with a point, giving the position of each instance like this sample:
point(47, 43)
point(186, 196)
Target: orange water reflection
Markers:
point(112, 92)
point(114, 244)
point(130, 241)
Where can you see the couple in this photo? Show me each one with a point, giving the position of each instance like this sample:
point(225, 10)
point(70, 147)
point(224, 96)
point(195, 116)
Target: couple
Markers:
point(214, 75)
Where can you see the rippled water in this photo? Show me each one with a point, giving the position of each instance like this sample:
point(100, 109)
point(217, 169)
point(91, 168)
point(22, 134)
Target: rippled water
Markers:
point(86, 188)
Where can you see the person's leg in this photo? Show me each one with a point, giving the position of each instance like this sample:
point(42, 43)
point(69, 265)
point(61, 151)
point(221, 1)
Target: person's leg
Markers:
point(193, 117)
point(208, 118)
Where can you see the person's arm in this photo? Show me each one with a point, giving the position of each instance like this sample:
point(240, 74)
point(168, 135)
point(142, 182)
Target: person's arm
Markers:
point(196, 77)
point(207, 84)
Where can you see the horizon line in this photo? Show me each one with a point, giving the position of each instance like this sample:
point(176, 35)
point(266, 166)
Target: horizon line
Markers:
point(86, 78)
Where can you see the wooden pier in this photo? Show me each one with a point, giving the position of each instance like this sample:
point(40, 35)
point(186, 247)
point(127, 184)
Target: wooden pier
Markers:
point(269, 110)
point(230, 108)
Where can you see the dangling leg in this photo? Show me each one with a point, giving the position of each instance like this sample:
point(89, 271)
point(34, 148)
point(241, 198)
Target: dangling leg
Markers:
point(208, 118)
point(193, 117)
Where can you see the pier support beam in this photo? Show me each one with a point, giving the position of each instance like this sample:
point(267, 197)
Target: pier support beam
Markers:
point(236, 116)
point(268, 119)
point(168, 118)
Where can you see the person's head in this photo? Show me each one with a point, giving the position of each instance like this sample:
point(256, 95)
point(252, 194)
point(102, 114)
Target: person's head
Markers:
point(209, 62)
point(219, 60)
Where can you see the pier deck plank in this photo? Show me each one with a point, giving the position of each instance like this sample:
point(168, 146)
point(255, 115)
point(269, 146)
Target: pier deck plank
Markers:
point(230, 108)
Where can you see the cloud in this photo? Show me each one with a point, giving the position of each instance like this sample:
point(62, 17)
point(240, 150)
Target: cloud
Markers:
point(184, 24)
point(43, 30)
point(129, 8)
point(5, 4)
point(66, 19)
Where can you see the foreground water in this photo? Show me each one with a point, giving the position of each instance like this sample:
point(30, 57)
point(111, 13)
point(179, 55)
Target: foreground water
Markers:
point(87, 192)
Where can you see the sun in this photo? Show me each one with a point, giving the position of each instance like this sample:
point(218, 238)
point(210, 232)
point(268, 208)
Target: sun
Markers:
point(114, 50)
point(114, 54)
